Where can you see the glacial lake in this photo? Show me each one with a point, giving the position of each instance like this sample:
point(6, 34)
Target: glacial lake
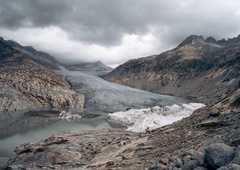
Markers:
point(17, 128)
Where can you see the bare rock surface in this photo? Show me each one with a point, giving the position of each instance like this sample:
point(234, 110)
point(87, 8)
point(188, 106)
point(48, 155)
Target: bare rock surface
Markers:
point(197, 69)
point(219, 154)
point(12, 98)
point(3, 162)
point(27, 84)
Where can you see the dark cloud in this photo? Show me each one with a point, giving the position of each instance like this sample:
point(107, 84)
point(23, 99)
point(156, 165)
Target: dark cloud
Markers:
point(103, 22)
point(107, 22)
point(28, 13)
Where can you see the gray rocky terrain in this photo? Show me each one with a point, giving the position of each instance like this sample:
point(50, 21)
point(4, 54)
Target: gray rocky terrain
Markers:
point(197, 69)
point(28, 84)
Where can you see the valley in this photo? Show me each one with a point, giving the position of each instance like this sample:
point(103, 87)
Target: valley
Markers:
point(198, 70)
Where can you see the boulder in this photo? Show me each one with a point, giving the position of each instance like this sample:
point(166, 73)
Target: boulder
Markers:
point(154, 167)
point(3, 162)
point(219, 154)
point(230, 167)
point(200, 168)
point(196, 155)
point(164, 160)
point(214, 112)
point(208, 141)
point(213, 123)
point(16, 167)
point(190, 164)
point(192, 159)
point(236, 160)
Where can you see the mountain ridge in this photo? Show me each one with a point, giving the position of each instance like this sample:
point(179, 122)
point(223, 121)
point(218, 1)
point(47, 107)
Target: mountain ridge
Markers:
point(51, 63)
point(40, 57)
point(195, 69)
point(88, 66)
point(199, 39)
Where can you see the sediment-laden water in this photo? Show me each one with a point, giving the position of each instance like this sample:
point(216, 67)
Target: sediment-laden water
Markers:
point(18, 127)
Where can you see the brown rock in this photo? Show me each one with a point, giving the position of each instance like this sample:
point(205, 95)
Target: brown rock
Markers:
point(212, 123)
point(164, 160)
point(35, 86)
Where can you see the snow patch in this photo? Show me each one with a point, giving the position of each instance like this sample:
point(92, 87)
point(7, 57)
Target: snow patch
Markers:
point(138, 120)
point(68, 116)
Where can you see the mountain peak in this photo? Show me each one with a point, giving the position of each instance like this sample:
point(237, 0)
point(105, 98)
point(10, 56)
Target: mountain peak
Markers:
point(211, 40)
point(230, 41)
point(193, 39)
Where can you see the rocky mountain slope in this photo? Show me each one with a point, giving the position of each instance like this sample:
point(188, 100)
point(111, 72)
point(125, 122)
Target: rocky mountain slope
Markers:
point(26, 84)
point(90, 66)
point(39, 57)
point(204, 70)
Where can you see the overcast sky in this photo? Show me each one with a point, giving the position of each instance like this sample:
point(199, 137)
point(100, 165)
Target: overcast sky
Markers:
point(114, 31)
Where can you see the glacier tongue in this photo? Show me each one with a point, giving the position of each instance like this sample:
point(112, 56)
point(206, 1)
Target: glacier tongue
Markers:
point(138, 120)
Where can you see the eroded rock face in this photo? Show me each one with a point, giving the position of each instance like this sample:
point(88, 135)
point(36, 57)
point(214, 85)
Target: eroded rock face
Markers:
point(11, 99)
point(28, 84)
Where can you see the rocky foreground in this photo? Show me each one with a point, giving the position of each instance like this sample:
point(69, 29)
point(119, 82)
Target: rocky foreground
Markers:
point(208, 139)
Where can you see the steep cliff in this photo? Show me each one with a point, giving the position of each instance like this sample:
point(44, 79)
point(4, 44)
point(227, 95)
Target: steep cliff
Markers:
point(27, 84)
point(204, 70)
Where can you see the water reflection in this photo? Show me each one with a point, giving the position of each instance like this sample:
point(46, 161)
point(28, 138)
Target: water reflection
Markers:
point(18, 127)
point(12, 123)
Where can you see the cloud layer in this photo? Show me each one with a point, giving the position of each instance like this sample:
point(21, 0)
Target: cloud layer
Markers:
point(114, 31)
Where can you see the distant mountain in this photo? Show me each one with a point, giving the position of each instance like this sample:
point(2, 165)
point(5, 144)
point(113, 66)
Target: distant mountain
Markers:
point(39, 57)
point(25, 84)
point(89, 66)
point(204, 70)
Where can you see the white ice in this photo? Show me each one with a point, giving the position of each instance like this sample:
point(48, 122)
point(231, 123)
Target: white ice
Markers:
point(111, 97)
point(68, 116)
point(138, 120)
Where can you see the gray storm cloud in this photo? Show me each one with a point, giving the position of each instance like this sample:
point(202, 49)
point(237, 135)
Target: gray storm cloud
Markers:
point(106, 22)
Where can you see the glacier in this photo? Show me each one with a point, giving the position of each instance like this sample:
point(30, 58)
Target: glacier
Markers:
point(111, 97)
point(140, 120)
